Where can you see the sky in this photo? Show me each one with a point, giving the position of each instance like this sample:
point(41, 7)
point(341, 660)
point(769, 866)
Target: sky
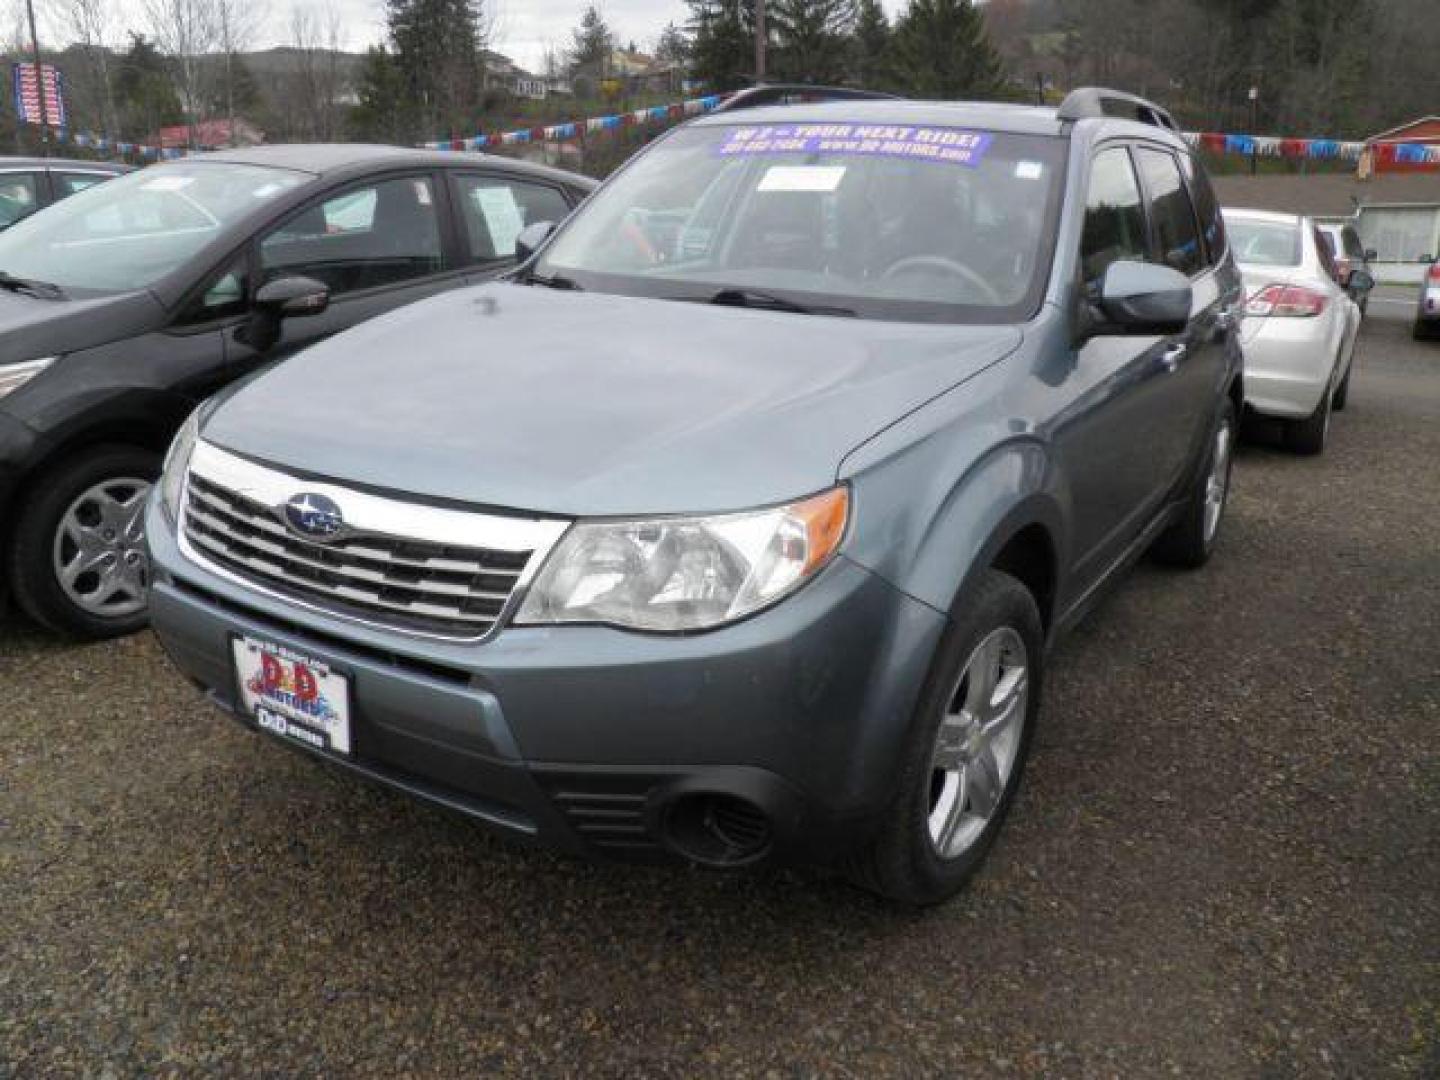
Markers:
point(522, 29)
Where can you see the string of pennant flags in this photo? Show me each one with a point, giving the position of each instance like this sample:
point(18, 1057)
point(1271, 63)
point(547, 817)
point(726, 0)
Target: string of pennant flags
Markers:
point(565, 131)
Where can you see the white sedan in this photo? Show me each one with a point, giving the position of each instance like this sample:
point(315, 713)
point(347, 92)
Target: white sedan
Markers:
point(1299, 327)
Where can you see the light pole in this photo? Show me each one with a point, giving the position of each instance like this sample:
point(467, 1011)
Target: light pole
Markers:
point(1254, 122)
point(39, 81)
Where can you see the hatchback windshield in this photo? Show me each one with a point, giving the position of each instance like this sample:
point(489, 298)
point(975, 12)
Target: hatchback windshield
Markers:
point(131, 231)
point(899, 222)
point(1264, 243)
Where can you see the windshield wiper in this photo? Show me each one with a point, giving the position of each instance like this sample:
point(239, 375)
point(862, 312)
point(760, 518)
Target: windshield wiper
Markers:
point(754, 298)
point(554, 281)
point(34, 288)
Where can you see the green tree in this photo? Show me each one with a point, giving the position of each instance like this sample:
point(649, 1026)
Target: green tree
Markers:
point(144, 91)
point(812, 39)
point(722, 54)
point(436, 46)
point(941, 51)
point(673, 46)
point(870, 47)
point(592, 42)
point(383, 114)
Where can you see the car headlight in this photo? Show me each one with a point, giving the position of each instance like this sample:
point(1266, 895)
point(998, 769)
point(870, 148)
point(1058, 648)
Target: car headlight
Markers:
point(685, 573)
point(177, 460)
point(14, 376)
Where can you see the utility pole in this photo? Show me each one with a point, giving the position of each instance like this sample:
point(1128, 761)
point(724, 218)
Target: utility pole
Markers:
point(760, 42)
point(39, 81)
point(1254, 123)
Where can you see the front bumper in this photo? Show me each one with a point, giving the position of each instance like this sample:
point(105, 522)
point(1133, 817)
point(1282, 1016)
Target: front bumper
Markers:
point(1287, 367)
point(588, 738)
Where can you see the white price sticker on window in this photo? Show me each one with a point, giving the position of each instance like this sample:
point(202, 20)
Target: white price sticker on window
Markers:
point(503, 217)
point(821, 179)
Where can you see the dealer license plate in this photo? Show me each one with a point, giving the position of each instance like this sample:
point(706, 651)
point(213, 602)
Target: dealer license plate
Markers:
point(296, 697)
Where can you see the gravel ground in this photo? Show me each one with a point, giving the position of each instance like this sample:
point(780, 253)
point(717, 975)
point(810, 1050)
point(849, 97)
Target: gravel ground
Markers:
point(1226, 859)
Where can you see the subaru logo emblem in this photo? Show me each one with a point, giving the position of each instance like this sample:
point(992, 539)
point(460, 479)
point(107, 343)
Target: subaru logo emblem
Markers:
point(314, 516)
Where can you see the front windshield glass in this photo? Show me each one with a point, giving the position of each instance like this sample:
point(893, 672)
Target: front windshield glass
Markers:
point(897, 222)
point(131, 231)
point(1264, 243)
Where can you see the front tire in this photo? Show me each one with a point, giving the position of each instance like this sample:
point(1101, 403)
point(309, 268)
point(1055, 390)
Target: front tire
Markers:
point(963, 759)
point(1191, 540)
point(77, 562)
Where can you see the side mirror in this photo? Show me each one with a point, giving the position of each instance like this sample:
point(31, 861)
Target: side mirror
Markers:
point(1427, 259)
point(1371, 254)
point(531, 238)
point(1143, 298)
point(293, 296)
point(1361, 280)
point(284, 298)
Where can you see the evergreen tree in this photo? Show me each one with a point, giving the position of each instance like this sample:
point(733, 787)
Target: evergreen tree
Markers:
point(436, 48)
point(383, 114)
point(673, 46)
point(592, 44)
point(812, 39)
point(145, 91)
point(870, 47)
point(722, 53)
point(940, 51)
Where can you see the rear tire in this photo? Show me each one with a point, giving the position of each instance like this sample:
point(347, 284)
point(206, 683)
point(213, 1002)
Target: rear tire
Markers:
point(1309, 436)
point(956, 782)
point(77, 561)
point(1342, 392)
point(1189, 542)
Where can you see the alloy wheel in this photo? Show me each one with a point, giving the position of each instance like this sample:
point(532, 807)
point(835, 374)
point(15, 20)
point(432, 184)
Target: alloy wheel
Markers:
point(978, 742)
point(1217, 484)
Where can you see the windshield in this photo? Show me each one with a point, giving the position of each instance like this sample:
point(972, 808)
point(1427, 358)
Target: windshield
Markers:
point(916, 223)
point(131, 231)
point(1264, 243)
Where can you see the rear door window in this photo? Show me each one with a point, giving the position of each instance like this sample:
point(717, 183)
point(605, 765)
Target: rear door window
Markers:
point(1114, 215)
point(67, 184)
point(19, 196)
point(1176, 232)
point(495, 209)
point(1207, 208)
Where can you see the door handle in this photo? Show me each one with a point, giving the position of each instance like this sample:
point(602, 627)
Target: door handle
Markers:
point(1171, 357)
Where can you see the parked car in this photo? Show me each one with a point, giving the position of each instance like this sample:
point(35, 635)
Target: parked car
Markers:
point(1299, 326)
point(1427, 307)
point(1350, 255)
point(30, 184)
point(735, 525)
point(127, 304)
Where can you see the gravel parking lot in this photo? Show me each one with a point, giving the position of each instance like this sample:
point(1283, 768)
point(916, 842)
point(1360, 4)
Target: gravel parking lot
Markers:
point(1226, 858)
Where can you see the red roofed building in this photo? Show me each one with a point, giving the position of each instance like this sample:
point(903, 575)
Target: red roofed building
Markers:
point(1379, 155)
point(209, 135)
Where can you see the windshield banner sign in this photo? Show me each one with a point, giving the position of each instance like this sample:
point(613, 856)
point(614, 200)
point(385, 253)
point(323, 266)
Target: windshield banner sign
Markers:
point(951, 146)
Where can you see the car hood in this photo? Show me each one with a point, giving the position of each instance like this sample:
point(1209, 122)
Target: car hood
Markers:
point(31, 327)
point(582, 403)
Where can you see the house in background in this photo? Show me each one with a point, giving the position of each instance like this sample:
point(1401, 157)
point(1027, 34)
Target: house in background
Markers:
point(1381, 153)
point(502, 73)
point(209, 135)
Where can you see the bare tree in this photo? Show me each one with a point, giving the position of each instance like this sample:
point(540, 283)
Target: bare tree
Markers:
point(91, 24)
point(317, 82)
point(236, 24)
point(186, 30)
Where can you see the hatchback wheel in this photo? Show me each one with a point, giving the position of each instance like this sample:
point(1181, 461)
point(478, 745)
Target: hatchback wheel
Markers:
point(78, 563)
point(1190, 541)
point(966, 751)
point(1310, 435)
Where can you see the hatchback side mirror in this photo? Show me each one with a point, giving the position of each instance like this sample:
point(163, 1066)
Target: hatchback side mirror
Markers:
point(1143, 298)
point(531, 238)
point(1371, 254)
point(293, 295)
point(289, 297)
point(1361, 280)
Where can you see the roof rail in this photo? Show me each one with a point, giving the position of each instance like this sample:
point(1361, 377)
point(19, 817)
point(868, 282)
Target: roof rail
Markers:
point(796, 93)
point(1095, 101)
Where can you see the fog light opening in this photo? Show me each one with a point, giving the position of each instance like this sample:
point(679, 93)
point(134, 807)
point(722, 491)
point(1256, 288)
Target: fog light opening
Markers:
point(718, 830)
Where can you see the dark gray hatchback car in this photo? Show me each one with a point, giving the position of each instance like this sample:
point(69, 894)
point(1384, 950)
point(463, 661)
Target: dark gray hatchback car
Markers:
point(737, 524)
point(128, 303)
